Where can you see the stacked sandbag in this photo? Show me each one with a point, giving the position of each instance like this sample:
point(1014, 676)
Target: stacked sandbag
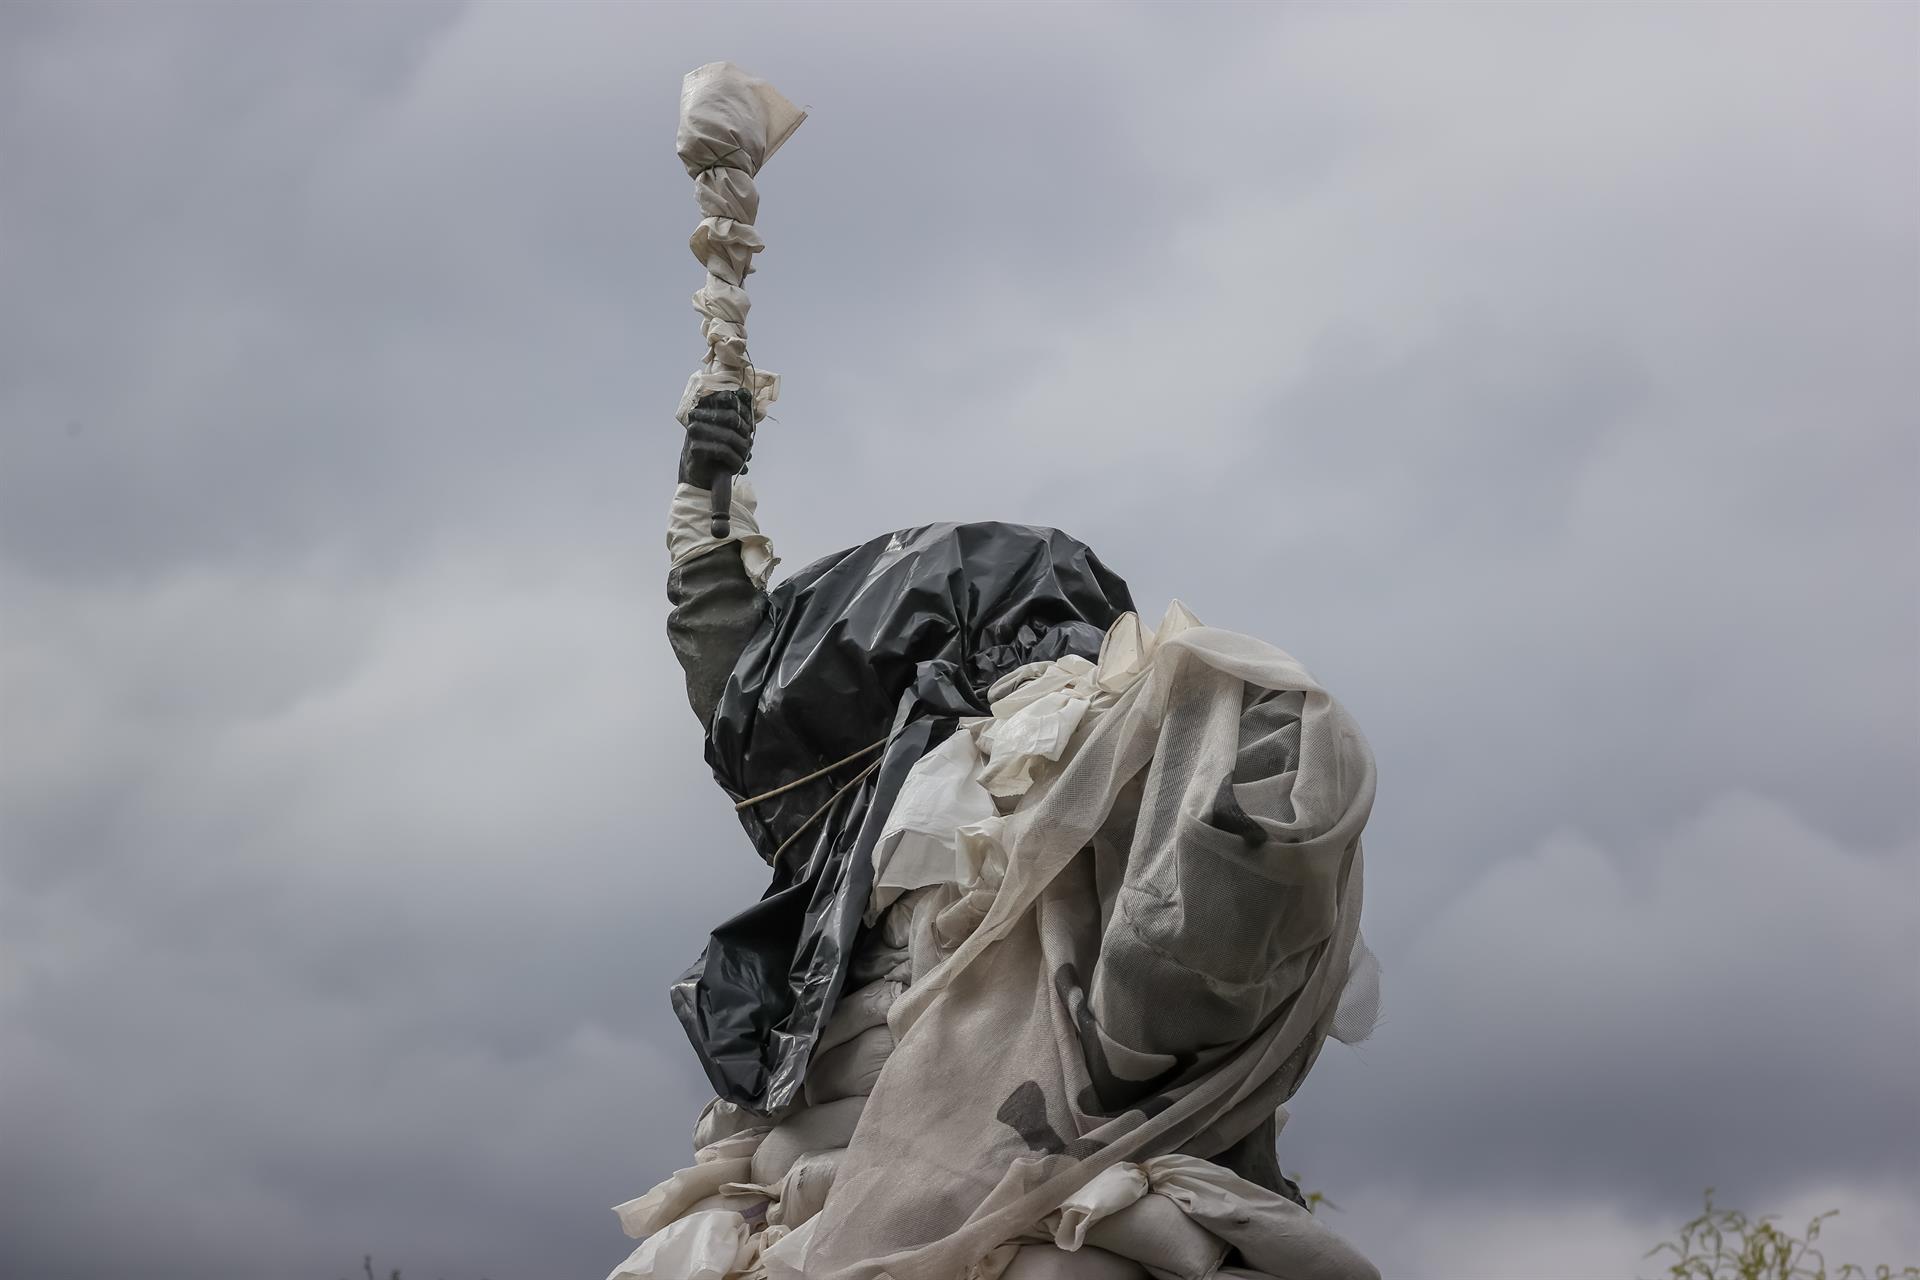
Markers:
point(854, 1045)
point(753, 1180)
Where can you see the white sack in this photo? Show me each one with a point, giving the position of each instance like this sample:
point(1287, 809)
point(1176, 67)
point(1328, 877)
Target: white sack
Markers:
point(858, 1011)
point(1113, 1190)
point(1273, 1234)
point(735, 1146)
point(821, 1128)
point(805, 1188)
point(722, 1119)
point(1044, 1262)
point(1153, 1232)
point(751, 1205)
point(672, 1198)
point(848, 1070)
point(704, 1246)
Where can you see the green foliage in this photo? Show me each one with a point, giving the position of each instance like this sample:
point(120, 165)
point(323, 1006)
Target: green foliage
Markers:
point(1725, 1244)
point(1317, 1198)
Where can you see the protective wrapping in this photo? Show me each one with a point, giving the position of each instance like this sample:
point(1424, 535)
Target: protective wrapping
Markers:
point(1126, 859)
point(1156, 949)
point(877, 650)
point(731, 123)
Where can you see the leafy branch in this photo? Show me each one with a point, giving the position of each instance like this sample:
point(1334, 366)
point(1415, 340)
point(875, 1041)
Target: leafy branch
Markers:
point(1725, 1244)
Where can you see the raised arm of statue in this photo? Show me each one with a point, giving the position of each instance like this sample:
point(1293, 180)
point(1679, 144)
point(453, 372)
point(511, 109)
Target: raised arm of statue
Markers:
point(716, 586)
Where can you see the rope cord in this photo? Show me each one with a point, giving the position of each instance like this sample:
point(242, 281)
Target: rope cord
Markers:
point(801, 830)
point(817, 773)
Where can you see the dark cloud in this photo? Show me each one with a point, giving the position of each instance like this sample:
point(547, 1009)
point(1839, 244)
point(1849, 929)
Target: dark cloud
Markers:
point(1541, 377)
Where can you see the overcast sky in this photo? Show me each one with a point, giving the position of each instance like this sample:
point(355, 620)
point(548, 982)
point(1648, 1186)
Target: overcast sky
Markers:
point(1543, 377)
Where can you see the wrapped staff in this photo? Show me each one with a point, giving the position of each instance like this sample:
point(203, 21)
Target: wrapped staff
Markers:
point(731, 123)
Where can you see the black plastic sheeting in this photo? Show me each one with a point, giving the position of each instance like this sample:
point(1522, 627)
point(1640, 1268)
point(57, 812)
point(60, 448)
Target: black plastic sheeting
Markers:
point(891, 641)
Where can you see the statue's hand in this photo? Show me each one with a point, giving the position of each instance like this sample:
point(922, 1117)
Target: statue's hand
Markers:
point(719, 438)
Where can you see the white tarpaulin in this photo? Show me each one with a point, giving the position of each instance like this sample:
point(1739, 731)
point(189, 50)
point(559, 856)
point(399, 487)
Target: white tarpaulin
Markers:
point(1155, 944)
point(690, 529)
point(1094, 933)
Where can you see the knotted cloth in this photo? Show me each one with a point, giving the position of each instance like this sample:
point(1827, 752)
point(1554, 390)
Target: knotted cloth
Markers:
point(731, 123)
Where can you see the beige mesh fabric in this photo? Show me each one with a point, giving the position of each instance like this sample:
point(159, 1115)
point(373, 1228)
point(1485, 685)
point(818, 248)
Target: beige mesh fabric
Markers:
point(1152, 969)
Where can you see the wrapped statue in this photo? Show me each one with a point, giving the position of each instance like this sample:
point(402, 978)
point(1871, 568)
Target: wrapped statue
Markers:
point(1062, 909)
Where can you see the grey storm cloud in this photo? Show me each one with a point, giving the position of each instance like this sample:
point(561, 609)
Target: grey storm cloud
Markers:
point(1542, 376)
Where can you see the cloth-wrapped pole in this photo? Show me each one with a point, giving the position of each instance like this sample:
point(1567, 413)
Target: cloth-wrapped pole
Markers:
point(731, 123)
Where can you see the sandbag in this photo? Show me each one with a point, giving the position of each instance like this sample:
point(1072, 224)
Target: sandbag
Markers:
point(849, 1070)
point(857, 1012)
point(880, 956)
point(721, 1119)
point(1178, 1216)
point(732, 1147)
point(821, 1128)
point(1155, 1233)
point(705, 1246)
point(1048, 1262)
point(805, 1188)
point(671, 1199)
point(1271, 1233)
point(751, 1205)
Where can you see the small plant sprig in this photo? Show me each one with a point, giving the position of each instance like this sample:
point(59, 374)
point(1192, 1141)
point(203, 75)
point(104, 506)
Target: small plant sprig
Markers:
point(366, 1267)
point(1725, 1244)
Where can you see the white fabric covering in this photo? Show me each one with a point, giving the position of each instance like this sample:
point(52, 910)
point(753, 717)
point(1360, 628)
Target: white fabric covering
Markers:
point(674, 1197)
point(1274, 1234)
point(990, 872)
point(804, 1190)
point(1154, 1232)
point(714, 1245)
point(720, 1120)
point(731, 123)
point(1186, 879)
point(690, 529)
point(946, 829)
point(934, 831)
